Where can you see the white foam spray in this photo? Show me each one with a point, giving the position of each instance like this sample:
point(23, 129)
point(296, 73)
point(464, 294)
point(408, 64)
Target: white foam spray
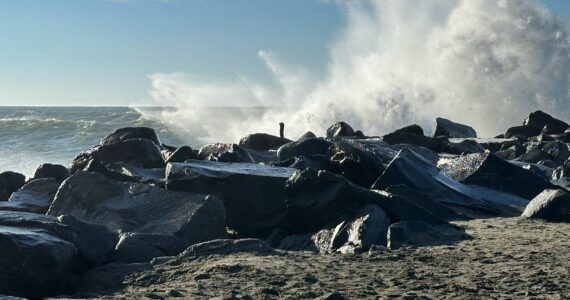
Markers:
point(485, 63)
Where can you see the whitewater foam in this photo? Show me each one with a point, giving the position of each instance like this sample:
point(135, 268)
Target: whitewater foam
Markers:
point(486, 63)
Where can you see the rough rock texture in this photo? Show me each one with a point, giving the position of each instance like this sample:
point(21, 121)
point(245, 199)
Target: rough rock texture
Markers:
point(142, 151)
point(550, 205)
point(225, 153)
point(540, 119)
point(9, 183)
point(501, 175)
point(410, 169)
point(359, 166)
point(134, 207)
point(253, 194)
point(447, 128)
point(35, 196)
point(57, 172)
point(35, 263)
point(127, 133)
point(339, 129)
point(181, 154)
point(411, 129)
point(143, 247)
point(305, 147)
point(262, 141)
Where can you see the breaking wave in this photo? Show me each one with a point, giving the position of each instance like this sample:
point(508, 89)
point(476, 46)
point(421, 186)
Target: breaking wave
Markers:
point(486, 63)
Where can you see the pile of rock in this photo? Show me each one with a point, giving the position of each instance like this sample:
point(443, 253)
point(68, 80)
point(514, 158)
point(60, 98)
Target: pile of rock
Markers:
point(131, 199)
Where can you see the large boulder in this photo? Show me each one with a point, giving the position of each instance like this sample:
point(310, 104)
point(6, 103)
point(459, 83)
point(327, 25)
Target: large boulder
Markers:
point(419, 234)
point(411, 129)
point(434, 144)
point(253, 194)
point(57, 172)
point(127, 133)
point(357, 232)
point(550, 205)
point(498, 174)
point(262, 141)
point(540, 119)
point(9, 183)
point(359, 166)
point(35, 196)
point(225, 153)
point(142, 151)
point(35, 263)
point(524, 130)
point(417, 173)
point(94, 242)
point(135, 207)
point(181, 154)
point(316, 200)
point(339, 129)
point(447, 128)
point(305, 147)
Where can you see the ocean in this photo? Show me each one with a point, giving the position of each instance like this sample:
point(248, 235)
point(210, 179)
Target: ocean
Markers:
point(35, 135)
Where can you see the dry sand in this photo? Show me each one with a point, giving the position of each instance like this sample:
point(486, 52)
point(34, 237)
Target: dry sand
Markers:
point(506, 259)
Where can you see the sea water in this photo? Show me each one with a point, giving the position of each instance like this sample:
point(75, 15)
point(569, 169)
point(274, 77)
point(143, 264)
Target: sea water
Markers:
point(30, 136)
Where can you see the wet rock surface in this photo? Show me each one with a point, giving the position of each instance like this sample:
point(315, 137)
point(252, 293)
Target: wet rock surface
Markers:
point(224, 219)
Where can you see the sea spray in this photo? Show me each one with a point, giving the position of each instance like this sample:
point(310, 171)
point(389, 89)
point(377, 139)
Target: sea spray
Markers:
point(485, 63)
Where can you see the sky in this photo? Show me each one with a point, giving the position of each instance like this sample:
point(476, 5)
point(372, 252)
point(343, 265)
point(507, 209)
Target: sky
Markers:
point(102, 52)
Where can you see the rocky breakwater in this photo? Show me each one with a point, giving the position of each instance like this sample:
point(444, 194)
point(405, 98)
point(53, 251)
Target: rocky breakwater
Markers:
point(123, 204)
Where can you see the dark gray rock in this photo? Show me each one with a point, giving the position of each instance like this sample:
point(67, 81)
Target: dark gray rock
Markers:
point(358, 166)
point(418, 234)
point(143, 247)
point(411, 129)
point(137, 173)
point(57, 172)
point(35, 263)
point(304, 147)
point(95, 242)
point(315, 162)
point(253, 194)
point(181, 154)
point(498, 174)
point(375, 146)
point(339, 129)
point(550, 205)
point(426, 153)
point(262, 141)
point(367, 227)
point(435, 144)
point(98, 167)
point(142, 151)
point(447, 128)
point(135, 207)
point(225, 153)
point(425, 201)
point(540, 119)
point(412, 170)
point(466, 146)
point(357, 232)
point(35, 196)
point(524, 131)
point(9, 183)
point(317, 199)
point(307, 135)
point(127, 133)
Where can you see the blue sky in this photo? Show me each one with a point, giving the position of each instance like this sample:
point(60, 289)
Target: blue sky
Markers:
point(100, 52)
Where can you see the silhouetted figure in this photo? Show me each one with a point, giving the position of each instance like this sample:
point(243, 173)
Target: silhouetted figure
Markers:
point(281, 129)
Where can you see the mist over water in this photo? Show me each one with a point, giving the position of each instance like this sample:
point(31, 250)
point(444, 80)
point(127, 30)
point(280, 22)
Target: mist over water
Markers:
point(485, 63)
